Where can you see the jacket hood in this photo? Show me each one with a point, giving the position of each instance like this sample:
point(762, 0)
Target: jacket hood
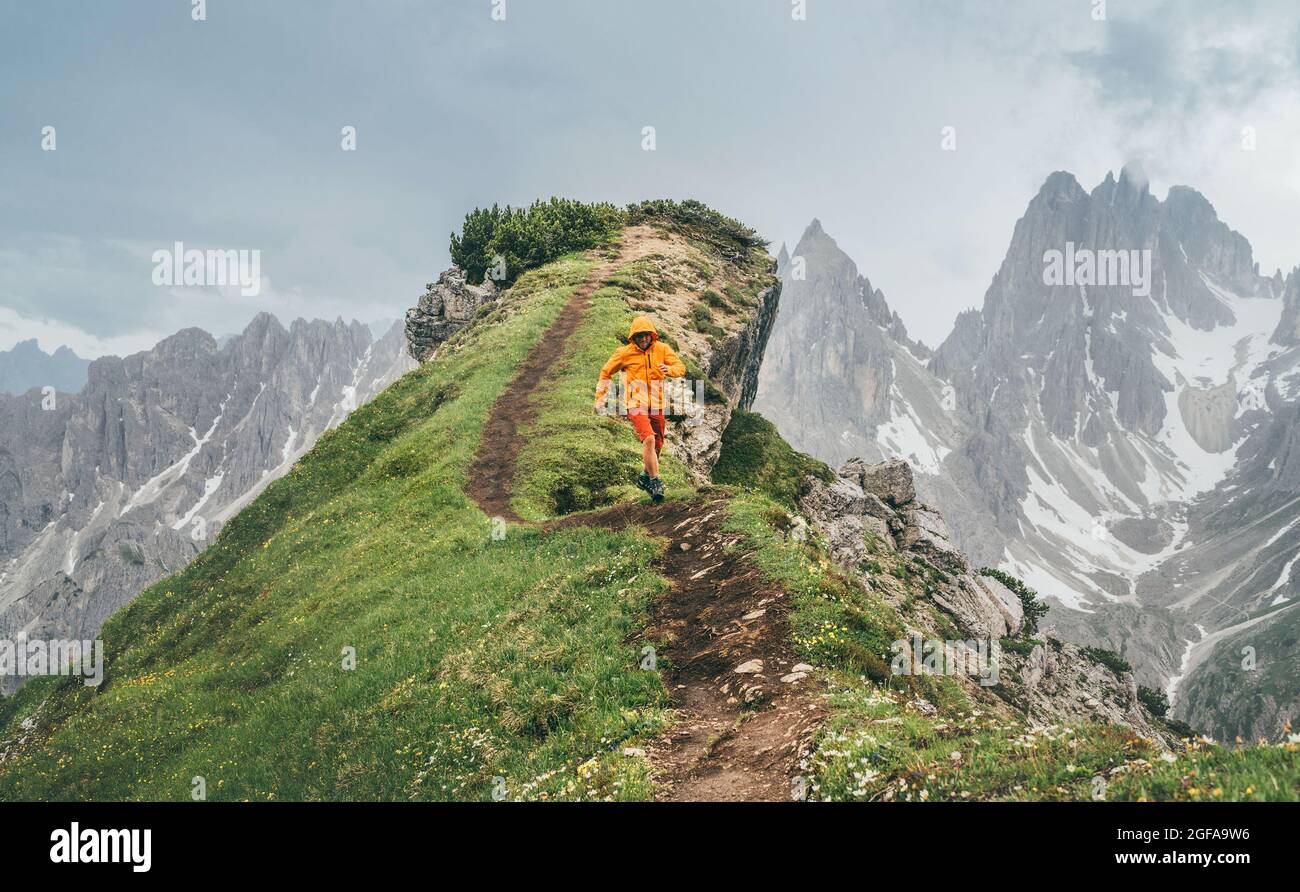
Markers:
point(642, 324)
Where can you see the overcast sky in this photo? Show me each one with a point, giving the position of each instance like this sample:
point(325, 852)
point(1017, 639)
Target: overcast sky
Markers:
point(225, 133)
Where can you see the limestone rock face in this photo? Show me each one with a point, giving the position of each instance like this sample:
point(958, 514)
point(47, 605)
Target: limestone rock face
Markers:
point(733, 365)
point(1208, 414)
point(1008, 604)
point(838, 510)
point(1060, 684)
point(1288, 327)
point(977, 609)
point(838, 357)
point(446, 307)
point(927, 534)
point(845, 512)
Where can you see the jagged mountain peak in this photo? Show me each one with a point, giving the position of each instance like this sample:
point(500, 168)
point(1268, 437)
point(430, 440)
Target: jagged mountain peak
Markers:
point(261, 320)
point(26, 366)
point(1059, 184)
point(816, 240)
point(1132, 186)
point(29, 346)
point(824, 257)
point(1102, 421)
point(1134, 174)
point(840, 367)
point(183, 340)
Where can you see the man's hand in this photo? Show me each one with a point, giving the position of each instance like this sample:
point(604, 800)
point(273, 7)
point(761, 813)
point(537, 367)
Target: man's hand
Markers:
point(663, 369)
point(598, 407)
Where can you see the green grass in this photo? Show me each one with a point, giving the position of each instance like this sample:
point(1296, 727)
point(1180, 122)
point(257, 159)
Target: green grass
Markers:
point(834, 621)
point(702, 321)
point(875, 746)
point(576, 460)
point(475, 657)
point(510, 664)
point(756, 457)
point(717, 302)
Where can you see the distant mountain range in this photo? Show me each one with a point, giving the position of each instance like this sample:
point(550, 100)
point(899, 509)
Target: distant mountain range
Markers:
point(27, 366)
point(121, 483)
point(1133, 456)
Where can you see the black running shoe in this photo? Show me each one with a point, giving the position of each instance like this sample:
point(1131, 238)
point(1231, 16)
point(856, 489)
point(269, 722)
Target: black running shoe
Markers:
point(656, 489)
point(643, 481)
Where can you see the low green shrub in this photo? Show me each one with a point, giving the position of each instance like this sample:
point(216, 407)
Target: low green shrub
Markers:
point(1156, 702)
point(1108, 658)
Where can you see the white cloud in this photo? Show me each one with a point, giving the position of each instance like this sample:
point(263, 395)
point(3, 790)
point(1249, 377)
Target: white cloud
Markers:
point(51, 335)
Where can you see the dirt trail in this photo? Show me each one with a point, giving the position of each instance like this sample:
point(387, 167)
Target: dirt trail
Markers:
point(738, 735)
point(493, 468)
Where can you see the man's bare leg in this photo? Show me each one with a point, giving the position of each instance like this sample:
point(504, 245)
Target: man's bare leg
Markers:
point(650, 456)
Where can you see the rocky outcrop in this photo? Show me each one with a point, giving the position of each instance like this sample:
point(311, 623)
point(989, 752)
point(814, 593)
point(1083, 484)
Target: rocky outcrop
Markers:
point(1059, 683)
point(1054, 682)
point(733, 363)
point(879, 501)
point(447, 306)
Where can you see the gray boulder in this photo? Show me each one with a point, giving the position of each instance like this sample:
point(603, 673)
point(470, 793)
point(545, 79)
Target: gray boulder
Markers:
point(1013, 612)
point(445, 308)
point(890, 480)
point(840, 511)
point(926, 533)
point(974, 608)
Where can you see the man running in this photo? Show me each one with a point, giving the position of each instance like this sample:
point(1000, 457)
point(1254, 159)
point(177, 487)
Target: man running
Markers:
point(646, 362)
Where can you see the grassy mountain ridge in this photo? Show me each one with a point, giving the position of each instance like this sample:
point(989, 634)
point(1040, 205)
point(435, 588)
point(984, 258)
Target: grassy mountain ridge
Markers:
point(491, 665)
point(369, 544)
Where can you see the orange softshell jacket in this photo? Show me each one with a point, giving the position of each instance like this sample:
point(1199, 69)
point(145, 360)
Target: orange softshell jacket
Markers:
point(644, 380)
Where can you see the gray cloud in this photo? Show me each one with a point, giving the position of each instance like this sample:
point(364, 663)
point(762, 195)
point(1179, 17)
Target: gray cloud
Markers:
point(226, 134)
point(1181, 57)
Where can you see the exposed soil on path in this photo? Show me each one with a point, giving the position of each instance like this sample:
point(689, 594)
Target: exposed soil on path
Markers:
point(492, 471)
point(744, 714)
